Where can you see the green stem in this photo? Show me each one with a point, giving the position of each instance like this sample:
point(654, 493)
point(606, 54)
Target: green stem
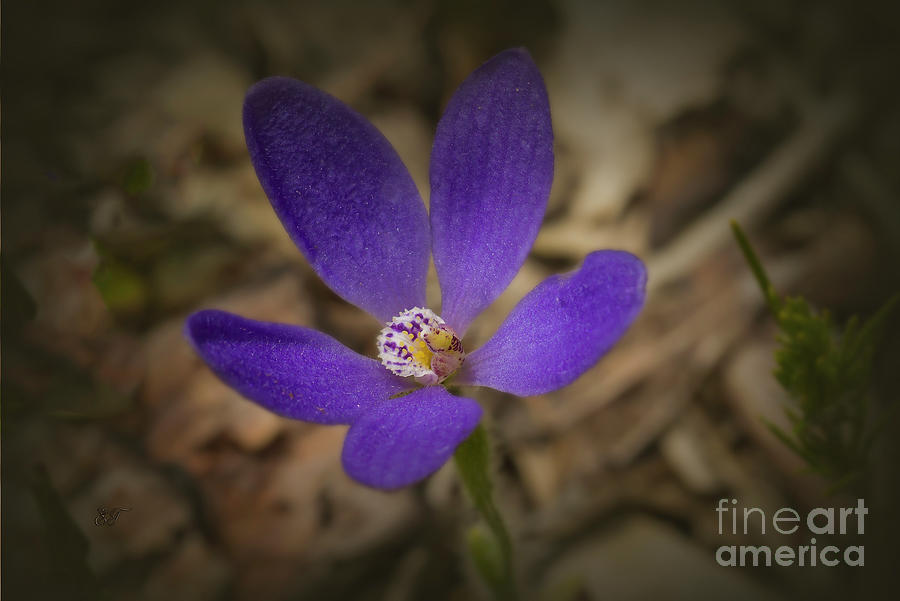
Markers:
point(491, 549)
point(758, 272)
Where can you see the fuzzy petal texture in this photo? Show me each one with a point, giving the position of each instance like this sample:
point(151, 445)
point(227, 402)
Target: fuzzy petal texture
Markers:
point(401, 441)
point(562, 327)
point(290, 370)
point(342, 193)
point(491, 171)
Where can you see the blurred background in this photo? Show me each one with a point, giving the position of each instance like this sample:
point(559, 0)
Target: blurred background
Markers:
point(129, 201)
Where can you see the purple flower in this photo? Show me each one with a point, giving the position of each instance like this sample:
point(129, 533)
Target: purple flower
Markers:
point(351, 207)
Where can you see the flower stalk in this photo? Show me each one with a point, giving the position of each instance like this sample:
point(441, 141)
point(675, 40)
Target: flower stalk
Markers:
point(491, 549)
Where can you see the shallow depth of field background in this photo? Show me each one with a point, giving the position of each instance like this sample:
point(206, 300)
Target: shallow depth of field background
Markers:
point(129, 201)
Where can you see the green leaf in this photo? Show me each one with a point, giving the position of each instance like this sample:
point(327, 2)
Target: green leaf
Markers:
point(756, 267)
point(123, 289)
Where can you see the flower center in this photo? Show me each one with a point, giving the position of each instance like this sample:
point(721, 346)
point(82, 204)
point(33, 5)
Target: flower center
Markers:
point(418, 343)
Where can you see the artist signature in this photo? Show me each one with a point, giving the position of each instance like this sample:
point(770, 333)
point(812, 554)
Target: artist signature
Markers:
point(108, 517)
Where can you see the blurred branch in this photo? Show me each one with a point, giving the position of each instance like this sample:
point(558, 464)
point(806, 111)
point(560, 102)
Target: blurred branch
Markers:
point(758, 194)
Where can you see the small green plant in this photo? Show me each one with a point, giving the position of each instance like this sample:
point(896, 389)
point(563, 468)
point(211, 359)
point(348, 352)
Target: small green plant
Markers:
point(826, 373)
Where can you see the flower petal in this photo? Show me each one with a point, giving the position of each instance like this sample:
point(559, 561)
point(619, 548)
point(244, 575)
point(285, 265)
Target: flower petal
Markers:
point(491, 171)
point(342, 193)
point(562, 327)
point(400, 441)
point(290, 370)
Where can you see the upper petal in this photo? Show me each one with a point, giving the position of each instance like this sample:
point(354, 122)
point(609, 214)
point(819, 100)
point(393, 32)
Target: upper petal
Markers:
point(290, 370)
point(562, 327)
point(400, 441)
point(342, 193)
point(491, 171)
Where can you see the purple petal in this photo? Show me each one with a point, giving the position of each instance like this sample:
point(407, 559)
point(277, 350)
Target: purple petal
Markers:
point(400, 441)
point(491, 170)
point(562, 327)
point(293, 371)
point(342, 193)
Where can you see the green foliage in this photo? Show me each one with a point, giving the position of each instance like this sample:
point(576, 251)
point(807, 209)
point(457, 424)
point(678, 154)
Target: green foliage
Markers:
point(122, 287)
point(491, 548)
point(826, 374)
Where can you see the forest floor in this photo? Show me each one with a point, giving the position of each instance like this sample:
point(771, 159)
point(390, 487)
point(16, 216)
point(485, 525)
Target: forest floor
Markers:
point(131, 201)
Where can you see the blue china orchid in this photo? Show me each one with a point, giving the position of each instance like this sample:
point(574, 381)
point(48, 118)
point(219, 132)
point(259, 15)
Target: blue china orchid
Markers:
point(351, 207)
